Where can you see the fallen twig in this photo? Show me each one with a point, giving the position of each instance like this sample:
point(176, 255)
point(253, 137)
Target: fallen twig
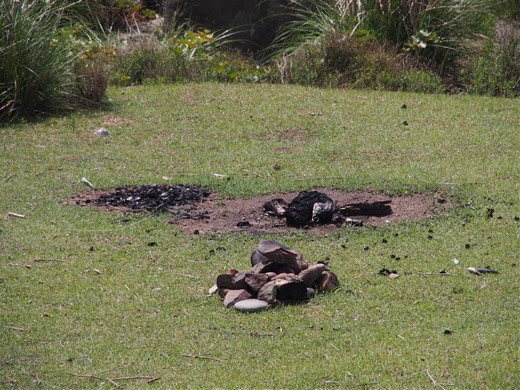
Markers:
point(365, 384)
point(438, 274)
point(199, 356)
point(96, 377)
point(435, 383)
point(414, 374)
point(316, 178)
point(15, 215)
point(188, 276)
point(154, 258)
point(17, 328)
point(149, 378)
point(47, 260)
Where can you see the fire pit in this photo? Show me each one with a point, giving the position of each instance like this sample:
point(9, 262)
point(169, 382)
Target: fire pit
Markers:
point(199, 210)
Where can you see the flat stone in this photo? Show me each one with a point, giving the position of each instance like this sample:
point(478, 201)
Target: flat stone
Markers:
point(235, 296)
point(265, 267)
point(251, 305)
point(277, 252)
point(257, 257)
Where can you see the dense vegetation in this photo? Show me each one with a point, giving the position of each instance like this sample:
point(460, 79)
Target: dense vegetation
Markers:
point(62, 54)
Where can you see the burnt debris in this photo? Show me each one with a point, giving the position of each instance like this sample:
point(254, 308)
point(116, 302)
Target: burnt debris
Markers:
point(154, 197)
point(312, 208)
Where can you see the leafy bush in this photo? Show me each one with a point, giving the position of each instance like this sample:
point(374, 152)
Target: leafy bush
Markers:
point(91, 72)
point(496, 70)
point(184, 55)
point(340, 61)
point(35, 66)
point(431, 29)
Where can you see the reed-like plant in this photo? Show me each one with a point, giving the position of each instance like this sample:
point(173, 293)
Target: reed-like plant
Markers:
point(35, 65)
point(429, 29)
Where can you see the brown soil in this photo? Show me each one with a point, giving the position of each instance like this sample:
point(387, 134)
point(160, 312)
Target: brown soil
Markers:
point(214, 213)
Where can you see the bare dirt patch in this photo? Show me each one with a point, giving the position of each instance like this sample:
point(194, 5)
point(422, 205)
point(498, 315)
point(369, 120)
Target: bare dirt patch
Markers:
point(197, 211)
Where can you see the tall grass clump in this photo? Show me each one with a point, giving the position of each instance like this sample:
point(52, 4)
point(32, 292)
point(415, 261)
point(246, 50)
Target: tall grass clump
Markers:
point(431, 30)
point(495, 70)
point(35, 66)
point(339, 61)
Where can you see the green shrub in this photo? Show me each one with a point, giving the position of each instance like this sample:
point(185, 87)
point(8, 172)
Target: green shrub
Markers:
point(35, 65)
point(340, 61)
point(185, 56)
point(431, 30)
point(496, 69)
point(91, 75)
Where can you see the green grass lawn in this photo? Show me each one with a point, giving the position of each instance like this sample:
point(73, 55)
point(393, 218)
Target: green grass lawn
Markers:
point(84, 293)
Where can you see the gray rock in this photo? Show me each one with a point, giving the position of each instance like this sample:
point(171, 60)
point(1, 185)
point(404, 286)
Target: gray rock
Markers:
point(257, 257)
point(256, 281)
point(286, 270)
point(298, 264)
point(268, 291)
point(251, 305)
point(232, 280)
point(265, 267)
point(328, 281)
point(222, 292)
point(225, 281)
point(294, 290)
point(102, 132)
point(234, 296)
point(277, 252)
point(283, 288)
point(311, 274)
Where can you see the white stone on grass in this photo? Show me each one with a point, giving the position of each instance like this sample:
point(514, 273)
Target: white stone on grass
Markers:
point(251, 305)
point(103, 132)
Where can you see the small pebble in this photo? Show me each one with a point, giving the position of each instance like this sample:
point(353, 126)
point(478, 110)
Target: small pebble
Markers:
point(103, 132)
